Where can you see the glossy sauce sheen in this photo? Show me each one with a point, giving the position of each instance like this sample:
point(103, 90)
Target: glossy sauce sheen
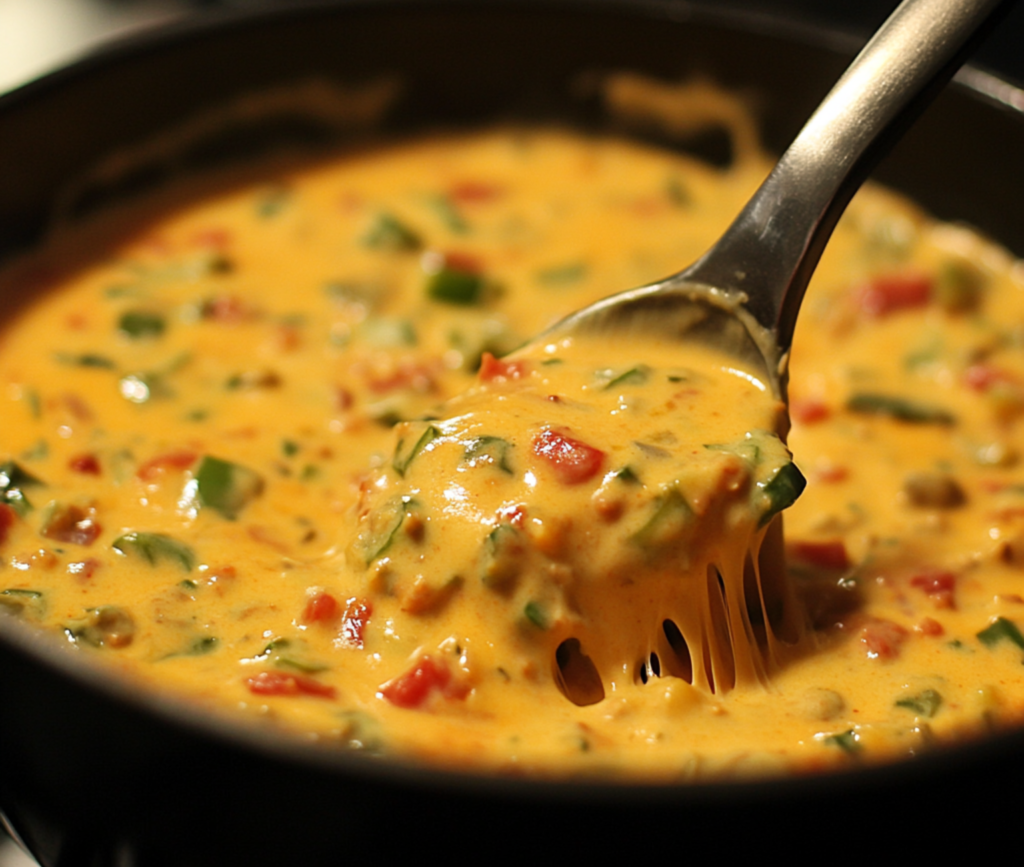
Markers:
point(228, 475)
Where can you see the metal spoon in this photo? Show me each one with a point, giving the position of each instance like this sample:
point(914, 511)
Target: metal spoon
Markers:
point(744, 294)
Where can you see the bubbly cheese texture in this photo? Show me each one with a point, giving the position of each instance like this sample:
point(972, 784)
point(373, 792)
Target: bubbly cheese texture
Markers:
point(259, 449)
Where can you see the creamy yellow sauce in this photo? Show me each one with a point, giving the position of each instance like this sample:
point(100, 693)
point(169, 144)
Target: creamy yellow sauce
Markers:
point(230, 470)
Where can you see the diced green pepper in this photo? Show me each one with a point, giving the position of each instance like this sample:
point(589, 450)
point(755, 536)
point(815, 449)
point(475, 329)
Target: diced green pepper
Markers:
point(535, 613)
point(846, 741)
point(86, 359)
point(454, 286)
point(106, 626)
point(632, 376)
point(671, 516)
point(403, 456)
point(16, 600)
point(225, 486)
point(501, 557)
point(13, 478)
point(138, 324)
point(562, 275)
point(389, 233)
point(449, 214)
point(899, 408)
point(154, 548)
point(925, 703)
point(383, 528)
point(782, 490)
point(1001, 629)
point(495, 448)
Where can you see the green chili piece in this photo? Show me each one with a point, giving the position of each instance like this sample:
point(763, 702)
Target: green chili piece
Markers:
point(389, 233)
point(501, 557)
point(225, 486)
point(1001, 629)
point(535, 613)
point(402, 458)
point(899, 408)
point(85, 359)
point(454, 286)
point(925, 703)
point(671, 516)
point(562, 275)
point(155, 547)
point(495, 448)
point(13, 478)
point(846, 741)
point(633, 376)
point(138, 324)
point(782, 490)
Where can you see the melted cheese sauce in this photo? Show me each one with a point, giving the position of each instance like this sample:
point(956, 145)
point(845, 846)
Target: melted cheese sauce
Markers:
point(225, 471)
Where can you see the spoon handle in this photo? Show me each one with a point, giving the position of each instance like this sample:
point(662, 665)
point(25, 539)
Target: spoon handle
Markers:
point(773, 246)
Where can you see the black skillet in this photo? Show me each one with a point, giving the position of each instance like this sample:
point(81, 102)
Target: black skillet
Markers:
point(94, 773)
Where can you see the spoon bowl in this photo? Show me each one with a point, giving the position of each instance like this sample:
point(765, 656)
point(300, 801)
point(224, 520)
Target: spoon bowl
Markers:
point(743, 295)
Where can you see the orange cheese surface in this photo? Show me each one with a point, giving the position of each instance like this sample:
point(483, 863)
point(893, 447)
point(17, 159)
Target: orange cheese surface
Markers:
point(259, 449)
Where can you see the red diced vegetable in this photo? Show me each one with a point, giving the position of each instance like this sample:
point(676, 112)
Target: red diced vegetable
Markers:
point(469, 192)
point(87, 464)
point(321, 608)
point(412, 688)
point(285, 683)
point(353, 621)
point(498, 369)
point(883, 638)
point(83, 570)
point(7, 516)
point(827, 555)
point(73, 524)
point(156, 467)
point(808, 410)
point(572, 461)
point(939, 585)
point(892, 292)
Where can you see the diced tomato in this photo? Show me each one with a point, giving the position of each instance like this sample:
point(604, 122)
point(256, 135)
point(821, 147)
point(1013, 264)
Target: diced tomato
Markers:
point(285, 683)
point(893, 292)
point(981, 377)
point(930, 626)
point(227, 309)
point(466, 262)
point(156, 467)
point(497, 369)
point(808, 410)
point(410, 375)
point(212, 239)
point(939, 586)
point(77, 407)
point(321, 608)
point(826, 555)
point(7, 518)
point(469, 192)
point(353, 621)
point(414, 686)
point(83, 570)
point(572, 461)
point(73, 524)
point(883, 638)
point(87, 464)
point(830, 474)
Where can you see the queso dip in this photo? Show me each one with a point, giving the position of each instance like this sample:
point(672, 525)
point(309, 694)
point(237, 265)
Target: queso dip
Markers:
point(228, 469)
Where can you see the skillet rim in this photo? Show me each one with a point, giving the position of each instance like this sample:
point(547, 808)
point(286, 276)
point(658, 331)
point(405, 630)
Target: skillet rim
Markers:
point(89, 674)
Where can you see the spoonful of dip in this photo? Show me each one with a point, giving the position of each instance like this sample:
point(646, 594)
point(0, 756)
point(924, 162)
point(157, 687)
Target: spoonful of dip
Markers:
point(610, 493)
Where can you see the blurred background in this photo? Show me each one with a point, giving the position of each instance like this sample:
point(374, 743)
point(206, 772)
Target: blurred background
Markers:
point(37, 36)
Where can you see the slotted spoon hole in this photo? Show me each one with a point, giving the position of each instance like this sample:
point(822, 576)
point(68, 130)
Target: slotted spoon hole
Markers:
point(576, 674)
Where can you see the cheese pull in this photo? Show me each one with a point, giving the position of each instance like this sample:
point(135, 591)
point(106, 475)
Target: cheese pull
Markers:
point(602, 510)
